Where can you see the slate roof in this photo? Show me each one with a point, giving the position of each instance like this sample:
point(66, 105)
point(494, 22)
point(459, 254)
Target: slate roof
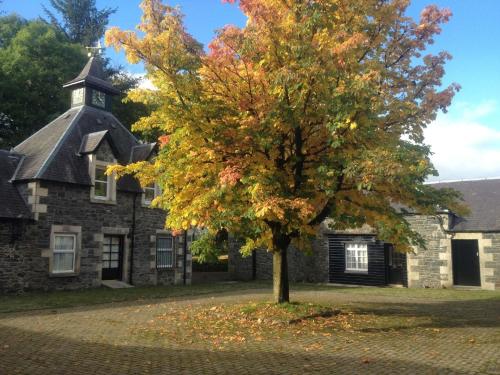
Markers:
point(142, 152)
point(12, 205)
point(91, 142)
point(93, 75)
point(53, 153)
point(483, 199)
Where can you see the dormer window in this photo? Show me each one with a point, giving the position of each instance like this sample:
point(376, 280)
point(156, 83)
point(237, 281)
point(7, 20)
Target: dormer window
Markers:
point(101, 182)
point(103, 189)
point(78, 96)
point(98, 98)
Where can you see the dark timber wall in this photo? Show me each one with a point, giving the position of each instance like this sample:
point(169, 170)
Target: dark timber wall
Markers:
point(376, 261)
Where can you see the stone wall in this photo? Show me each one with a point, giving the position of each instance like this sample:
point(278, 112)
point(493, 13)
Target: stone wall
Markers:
point(491, 259)
point(24, 264)
point(429, 267)
point(432, 267)
point(302, 267)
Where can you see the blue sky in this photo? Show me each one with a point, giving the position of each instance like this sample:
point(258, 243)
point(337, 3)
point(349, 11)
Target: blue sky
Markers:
point(466, 140)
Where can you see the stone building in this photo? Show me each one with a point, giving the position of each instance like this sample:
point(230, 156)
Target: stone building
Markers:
point(460, 251)
point(65, 224)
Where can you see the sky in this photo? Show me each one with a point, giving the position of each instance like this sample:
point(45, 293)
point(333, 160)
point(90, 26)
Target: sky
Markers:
point(465, 141)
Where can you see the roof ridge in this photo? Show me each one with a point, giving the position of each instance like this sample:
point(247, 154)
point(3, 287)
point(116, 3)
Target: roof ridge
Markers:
point(123, 126)
point(59, 143)
point(43, 127)
point(462, 180)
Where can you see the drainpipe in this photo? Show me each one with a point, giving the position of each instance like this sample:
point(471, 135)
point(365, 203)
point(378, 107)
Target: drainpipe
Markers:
point(132, 241)
point(254, 265)
point(184, 260)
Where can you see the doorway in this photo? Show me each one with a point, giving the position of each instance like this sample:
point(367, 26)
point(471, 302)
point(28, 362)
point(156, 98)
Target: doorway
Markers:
point(112, 254)
point(396, 265)
point(465, 258)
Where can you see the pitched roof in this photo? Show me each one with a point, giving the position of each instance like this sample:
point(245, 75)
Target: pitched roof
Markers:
point(91, 142)
point(141, 152)
point(13, 205)
point(483, 199)
point(53, 152)
point(93, 75)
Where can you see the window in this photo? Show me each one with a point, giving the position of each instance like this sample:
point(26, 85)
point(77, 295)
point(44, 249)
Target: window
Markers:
point(149, 194)
point(165, 252)
point(77, 96)
point(101, 183)
point(356, 257)
point(64, 253)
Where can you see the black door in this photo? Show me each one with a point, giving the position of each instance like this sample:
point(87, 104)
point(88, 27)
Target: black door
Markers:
point(112, 251)
point(465, 257)
point(395, 264)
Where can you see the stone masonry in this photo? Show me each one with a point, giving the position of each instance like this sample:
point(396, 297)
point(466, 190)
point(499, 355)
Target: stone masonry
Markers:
point(429, 267)
point(24, 265)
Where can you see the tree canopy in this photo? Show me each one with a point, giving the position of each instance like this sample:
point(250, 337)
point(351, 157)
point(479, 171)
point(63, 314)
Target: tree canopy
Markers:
point(314, 109)
point(35, 61)
point(82, 22)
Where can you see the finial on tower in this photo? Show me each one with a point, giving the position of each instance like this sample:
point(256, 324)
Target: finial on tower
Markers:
point(95, 50)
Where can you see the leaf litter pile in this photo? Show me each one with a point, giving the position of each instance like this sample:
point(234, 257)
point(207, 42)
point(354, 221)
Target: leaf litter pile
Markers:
point(225, 324)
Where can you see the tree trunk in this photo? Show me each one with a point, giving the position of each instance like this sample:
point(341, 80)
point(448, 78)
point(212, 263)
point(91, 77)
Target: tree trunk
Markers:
point(280, 276)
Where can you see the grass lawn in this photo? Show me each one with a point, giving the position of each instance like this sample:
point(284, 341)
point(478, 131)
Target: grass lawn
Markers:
point(63, 299)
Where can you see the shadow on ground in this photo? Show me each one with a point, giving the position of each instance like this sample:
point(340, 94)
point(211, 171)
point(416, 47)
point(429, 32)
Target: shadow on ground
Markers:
point(446, 314)
point(25, 352)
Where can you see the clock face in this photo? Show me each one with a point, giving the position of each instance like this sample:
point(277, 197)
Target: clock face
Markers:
point(98, 98)
point(77, 96)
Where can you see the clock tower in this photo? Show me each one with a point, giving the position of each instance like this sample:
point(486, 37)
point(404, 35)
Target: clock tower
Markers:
point(91, 88)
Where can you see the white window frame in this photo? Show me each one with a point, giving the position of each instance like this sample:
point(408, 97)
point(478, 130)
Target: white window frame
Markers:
point(156, 188)
point(172, 250)
point(102, 165)
point(110, 197)
point(355, 250)
point(73, 251)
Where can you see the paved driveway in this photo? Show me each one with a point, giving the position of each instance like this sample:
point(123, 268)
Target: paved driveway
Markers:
point(399, 336)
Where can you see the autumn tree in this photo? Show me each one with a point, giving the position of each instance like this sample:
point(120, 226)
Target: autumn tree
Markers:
point(315, 109)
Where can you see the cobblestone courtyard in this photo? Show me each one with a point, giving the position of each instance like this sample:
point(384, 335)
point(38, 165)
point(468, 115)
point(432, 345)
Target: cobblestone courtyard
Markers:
point(401, 335)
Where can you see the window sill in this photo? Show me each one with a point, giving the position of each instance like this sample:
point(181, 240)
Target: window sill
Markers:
point(63, 274)
point(164, 268)
point(102, 201)
point(356, 272)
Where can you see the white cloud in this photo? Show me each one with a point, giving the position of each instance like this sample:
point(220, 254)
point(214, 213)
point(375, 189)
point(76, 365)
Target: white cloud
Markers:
point(463, 146)
point(144, 82)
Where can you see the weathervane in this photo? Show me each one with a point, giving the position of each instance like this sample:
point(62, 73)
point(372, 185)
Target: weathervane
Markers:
point(96, 50)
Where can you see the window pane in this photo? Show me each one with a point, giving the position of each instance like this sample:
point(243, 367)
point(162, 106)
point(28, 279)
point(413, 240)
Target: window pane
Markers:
point(356, 257)
point(100, 174)
point(101, 189)
point(63, 262)
point(164, 252)
point(164, 243)
point(149, 194)
point(64, 243)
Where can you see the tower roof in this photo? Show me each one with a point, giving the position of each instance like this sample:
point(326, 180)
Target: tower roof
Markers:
point(93, 75)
